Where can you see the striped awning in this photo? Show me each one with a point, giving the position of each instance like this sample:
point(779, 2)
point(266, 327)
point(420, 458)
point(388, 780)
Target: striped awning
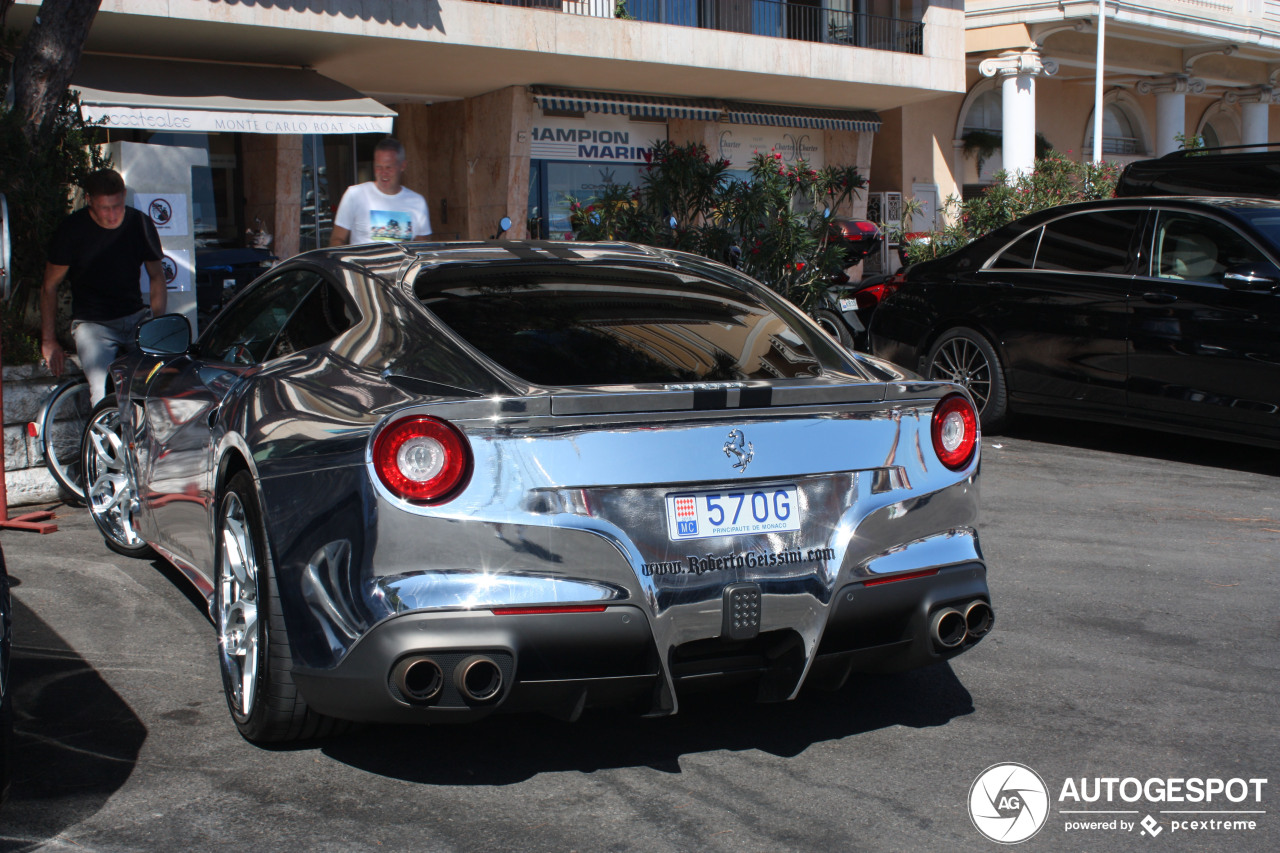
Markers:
point(741, 112)
point(619, 103)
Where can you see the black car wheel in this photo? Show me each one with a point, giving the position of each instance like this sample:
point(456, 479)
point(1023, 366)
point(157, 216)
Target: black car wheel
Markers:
point(967, 358)
point(253, 642)
point(108, 483)
point(834, 326)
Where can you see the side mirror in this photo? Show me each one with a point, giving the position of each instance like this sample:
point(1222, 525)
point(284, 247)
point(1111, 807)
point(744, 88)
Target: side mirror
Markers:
point(169, 334)
point(1258, 276)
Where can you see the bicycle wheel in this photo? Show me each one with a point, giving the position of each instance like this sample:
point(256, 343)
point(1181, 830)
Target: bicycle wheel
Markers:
point(62, 433)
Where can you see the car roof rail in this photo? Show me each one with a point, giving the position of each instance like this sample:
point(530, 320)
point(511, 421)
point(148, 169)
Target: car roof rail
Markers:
point(1255, 148)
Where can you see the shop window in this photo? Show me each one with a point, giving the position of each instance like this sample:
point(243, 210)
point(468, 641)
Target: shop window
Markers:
point(567, 182)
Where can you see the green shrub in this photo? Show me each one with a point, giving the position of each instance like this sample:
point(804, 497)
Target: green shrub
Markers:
point(1054, 181)
point(779, 218)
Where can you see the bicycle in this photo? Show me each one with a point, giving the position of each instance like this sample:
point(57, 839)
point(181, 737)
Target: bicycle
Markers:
point(59, 432)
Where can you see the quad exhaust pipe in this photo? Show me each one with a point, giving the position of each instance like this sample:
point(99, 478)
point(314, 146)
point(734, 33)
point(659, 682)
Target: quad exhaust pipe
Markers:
point(418, 678)
point(949, 627)
point(478, 678)
point(978, 618)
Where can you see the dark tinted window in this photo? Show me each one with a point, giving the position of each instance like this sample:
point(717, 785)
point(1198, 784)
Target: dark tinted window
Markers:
point(1266, 220)
point(1095, 242)
point(1020, 255)
point(322, 316)
point(244, 332)
point(599, 325)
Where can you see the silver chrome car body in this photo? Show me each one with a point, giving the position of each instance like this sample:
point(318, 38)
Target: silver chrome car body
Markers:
point(563, 505)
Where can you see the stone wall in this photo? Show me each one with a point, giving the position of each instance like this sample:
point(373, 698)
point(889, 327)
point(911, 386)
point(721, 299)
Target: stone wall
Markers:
point(26, 388)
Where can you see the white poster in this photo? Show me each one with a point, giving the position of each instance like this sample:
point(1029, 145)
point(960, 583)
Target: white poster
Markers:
point(178, 273)
point(740, 142)
point(167, 210)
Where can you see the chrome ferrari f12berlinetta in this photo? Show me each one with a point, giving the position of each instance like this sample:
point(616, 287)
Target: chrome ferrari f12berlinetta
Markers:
point(428, 482)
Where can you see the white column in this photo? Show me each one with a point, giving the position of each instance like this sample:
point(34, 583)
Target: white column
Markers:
point(1255, 112)
point(1171, 107)
point(1018, 70)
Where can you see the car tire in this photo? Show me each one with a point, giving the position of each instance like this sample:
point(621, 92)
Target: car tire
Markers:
point(254, 654)
point(110, 491)
point(965, 357)
point(834, 326)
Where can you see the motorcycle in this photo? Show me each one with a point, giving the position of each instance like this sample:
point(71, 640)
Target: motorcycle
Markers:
point(845, 309)
point(848, 306)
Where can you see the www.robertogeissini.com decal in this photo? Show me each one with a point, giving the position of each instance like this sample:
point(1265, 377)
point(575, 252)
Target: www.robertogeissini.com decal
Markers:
point(1009, 803)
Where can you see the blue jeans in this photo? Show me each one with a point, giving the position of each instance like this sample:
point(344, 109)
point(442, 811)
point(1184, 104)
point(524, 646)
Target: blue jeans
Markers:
point(100, 343)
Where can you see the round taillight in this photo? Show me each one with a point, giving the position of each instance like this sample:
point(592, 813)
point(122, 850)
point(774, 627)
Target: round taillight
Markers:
point(955, 431)
point(422, 459)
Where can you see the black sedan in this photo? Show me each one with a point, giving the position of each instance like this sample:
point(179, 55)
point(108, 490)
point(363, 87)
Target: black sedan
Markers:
point(1160, 312)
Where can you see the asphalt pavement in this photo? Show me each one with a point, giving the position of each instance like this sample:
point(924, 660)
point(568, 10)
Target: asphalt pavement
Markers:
point(1137, 639)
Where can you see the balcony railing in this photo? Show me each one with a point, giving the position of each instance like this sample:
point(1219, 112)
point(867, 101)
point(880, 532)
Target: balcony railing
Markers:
point(777, 18)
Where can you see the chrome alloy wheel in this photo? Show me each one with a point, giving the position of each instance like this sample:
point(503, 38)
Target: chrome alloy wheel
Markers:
point(960, 360)
point(237, 605)
point(111, 495)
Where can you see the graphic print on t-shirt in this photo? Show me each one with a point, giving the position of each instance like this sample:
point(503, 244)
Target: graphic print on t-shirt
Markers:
point(390, 225)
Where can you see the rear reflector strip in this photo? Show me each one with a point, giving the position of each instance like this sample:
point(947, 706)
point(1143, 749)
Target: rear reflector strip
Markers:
point(906, 577)
point(525, 611)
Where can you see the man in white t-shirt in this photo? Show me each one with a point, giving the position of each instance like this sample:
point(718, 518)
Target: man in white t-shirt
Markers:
point(381, 210)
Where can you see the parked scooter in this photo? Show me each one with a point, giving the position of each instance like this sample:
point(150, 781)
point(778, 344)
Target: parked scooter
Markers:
point(843, 313)
point(848, 309)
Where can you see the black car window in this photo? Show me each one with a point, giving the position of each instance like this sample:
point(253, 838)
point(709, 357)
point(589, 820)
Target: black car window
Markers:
point(1097, 241)
point(1197, 248)
point(244, 332)
point(599, 325)
point(1266, 220)
point(1020, 255)
point(322, 316)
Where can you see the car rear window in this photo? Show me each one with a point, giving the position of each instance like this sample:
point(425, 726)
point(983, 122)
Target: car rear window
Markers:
point(1096, 241)
point(1021, 254)
point(599, 325)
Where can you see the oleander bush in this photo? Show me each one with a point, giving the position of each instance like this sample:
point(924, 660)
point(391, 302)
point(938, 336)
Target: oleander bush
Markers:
point(1055, 180)
point(775, 225)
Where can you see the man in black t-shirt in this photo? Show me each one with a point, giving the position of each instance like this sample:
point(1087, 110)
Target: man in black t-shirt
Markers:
point(102, 247)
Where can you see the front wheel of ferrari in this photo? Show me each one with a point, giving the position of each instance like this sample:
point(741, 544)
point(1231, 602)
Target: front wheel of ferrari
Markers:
point(109, 487)
point(253, 641)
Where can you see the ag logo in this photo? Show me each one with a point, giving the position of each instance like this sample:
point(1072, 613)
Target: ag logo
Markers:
point(1008, 803)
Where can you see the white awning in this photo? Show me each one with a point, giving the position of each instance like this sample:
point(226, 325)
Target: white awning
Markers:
point(175, 95)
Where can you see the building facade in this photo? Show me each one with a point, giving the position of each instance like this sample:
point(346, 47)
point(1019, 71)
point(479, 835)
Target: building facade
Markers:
point(506, 108)
point(1172, 71)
